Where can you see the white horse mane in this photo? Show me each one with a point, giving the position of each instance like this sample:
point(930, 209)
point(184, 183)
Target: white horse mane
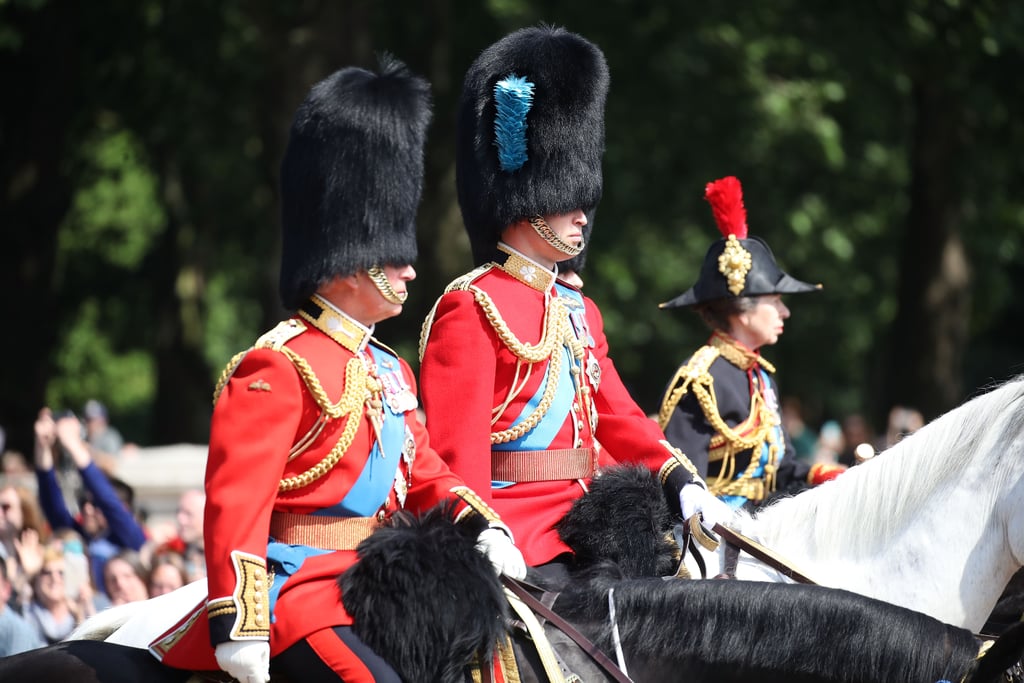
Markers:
point(870, 501)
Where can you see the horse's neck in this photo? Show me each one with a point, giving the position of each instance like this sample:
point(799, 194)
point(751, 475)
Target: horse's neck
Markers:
point(925, 534)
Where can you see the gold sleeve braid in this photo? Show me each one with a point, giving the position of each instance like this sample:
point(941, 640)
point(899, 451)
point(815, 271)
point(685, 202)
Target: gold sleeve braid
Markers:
point(694, 376)
point(250, 602)
point(360, 387)
point(474, 504)
point(676, 460)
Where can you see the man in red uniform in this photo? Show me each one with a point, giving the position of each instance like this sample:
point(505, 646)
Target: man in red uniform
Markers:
point(522, 399)
point(314, 437)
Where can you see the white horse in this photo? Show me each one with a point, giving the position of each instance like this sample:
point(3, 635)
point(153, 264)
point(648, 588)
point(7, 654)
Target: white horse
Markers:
point(934, 523)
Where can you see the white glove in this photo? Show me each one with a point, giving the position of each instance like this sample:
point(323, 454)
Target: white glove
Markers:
point(247, 661)
point(695, 499)
point(497, 547)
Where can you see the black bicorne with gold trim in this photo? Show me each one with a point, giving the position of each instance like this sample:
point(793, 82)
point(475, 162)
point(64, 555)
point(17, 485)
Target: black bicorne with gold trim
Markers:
point(352, 177)
point(738, 264)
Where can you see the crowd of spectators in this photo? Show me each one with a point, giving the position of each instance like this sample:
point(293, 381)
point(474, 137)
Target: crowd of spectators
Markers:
point(72, 540)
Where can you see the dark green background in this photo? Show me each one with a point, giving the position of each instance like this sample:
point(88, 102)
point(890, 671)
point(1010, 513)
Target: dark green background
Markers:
point(879, 144)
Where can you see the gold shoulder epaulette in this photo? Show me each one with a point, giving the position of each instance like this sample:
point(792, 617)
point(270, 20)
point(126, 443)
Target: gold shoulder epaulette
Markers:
point(693, 370)
point(283, 332)
point(459, 284)
point(275, 339)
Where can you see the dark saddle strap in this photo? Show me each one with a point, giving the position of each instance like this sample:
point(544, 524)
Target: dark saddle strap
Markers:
point(568, 629)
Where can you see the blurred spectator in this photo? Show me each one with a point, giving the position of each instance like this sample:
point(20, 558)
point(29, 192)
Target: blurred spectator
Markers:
point(16, 634)
point(106, 520)
point(77, 579)
point(103, 438)
point(189, 518)
point(167, 573)
point(856, 431)
point(50, 611)
point(16, 468)
point(19, 511)
point(903, 421)
point(125, 579)
point(22, 530)
point(803, 438)
point(831, 442)
point(186, 537)
point(195, 564)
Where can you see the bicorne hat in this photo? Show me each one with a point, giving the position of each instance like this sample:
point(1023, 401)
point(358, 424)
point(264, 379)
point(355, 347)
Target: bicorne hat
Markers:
point(738, 264)
point(352, 177)
point(530, 132)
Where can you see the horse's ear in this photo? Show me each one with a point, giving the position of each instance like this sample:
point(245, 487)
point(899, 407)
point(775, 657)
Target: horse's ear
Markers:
point(623, 518)
point(1006, 652)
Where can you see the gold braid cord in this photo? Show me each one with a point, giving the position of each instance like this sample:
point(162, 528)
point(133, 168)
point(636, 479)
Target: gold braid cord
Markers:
point(474, 505)
point(694, 377)
point(558, 333)
point(361, 388)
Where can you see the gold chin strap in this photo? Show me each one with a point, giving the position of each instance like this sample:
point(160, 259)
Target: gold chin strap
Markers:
point(541, 227)
point(380, 281)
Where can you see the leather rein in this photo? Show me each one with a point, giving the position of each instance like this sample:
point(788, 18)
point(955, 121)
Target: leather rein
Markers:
point(605, 662)
point(687, 535)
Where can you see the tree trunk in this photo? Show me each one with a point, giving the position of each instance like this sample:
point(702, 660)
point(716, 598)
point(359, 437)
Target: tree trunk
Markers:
point(930, 329)
point(35, 123)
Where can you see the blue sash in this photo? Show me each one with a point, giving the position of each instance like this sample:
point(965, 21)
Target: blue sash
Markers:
point(540, 437)
point(373, 485)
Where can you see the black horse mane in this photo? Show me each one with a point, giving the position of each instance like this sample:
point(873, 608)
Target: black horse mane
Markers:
point(746, 631)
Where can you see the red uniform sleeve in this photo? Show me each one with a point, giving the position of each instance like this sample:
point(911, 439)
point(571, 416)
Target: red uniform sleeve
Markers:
point(457, 379)
point(252, 430)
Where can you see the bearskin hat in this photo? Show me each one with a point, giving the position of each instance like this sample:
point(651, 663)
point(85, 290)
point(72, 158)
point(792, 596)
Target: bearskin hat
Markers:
point(530, 132)
point(738, 264)
point(352, 176)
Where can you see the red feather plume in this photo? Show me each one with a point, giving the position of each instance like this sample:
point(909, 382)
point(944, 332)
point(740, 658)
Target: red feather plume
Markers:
point(726, 199)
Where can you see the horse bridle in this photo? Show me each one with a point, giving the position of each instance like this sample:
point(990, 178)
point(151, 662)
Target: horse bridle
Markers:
point(605, 662)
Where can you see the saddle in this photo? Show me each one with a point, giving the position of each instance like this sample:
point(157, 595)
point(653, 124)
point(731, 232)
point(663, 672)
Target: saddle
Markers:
point(532, 605)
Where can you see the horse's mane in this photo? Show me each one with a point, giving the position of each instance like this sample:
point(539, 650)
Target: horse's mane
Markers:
point(789, 632)
point(871, 500)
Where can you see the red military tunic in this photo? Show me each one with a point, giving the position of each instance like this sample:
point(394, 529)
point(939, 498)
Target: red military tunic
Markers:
point(315, 424)
point(489, 351)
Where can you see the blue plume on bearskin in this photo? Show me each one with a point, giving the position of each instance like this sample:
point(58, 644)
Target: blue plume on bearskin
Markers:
point(564, 145)
point(513, 97)
point(423, 597)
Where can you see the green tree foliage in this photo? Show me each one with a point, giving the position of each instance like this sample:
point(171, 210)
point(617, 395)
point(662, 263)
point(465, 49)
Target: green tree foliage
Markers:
point(876, 143)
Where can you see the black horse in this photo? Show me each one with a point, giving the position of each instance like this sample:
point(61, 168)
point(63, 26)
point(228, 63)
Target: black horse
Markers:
point(438, 617)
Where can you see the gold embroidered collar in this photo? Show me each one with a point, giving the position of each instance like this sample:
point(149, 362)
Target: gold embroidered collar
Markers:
point(526, 270)
point(330, 320)
point(738, 354)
